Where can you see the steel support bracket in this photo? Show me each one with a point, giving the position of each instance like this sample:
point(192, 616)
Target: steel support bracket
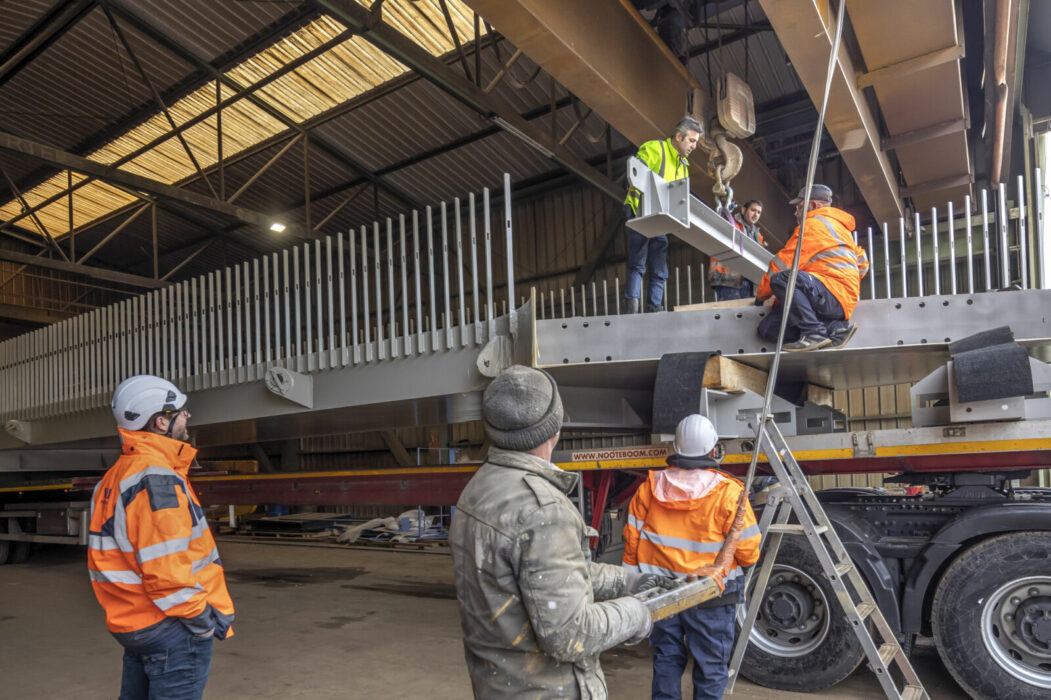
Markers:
point(19, 430)
point(664, 207)
point(297, 388)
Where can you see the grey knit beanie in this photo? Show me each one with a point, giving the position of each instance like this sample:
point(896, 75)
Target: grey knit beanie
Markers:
point(521, 408)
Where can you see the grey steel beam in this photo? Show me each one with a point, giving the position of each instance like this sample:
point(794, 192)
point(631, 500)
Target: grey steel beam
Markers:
point(28, 314)
point(408, 52)
point(898, 340)
point(55, 156)
point(86, 270)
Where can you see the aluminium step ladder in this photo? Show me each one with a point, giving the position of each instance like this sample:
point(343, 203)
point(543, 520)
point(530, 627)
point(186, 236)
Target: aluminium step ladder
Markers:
point(857, 604)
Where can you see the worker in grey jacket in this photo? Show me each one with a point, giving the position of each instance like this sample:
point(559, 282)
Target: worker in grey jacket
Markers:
point(525, 581)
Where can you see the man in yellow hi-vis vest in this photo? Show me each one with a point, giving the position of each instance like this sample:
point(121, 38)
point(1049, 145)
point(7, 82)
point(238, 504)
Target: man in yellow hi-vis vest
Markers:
point(668, 158)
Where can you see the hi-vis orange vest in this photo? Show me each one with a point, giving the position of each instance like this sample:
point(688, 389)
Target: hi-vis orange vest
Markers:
point(719, 276)
point(150, 552)
point(676, 537)
point(829, 253)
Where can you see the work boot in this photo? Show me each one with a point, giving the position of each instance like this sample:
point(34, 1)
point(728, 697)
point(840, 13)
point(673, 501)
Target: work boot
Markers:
point(806, 343)
point(650, 309)
point(631, 306)
point(842, 336)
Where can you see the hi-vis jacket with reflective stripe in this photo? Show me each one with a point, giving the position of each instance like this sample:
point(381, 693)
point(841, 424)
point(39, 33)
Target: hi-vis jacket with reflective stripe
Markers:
point(678, 519)
point(664, 160)
point(151, 555)
point(719, 276)
point(829, 253)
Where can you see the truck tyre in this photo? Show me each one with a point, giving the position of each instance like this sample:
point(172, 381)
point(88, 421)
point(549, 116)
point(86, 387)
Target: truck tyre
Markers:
point(20, 550)
point(801, 641)
point(992, 617)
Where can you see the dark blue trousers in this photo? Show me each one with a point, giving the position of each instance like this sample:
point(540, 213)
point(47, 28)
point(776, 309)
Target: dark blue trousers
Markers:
point(745, 291)
point(178, 672)
point(707, 634)
point(814, 310)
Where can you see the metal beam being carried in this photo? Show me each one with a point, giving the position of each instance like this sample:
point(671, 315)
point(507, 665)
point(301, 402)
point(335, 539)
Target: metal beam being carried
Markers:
point(609, 57)
point(668, 207)
point(805, 29)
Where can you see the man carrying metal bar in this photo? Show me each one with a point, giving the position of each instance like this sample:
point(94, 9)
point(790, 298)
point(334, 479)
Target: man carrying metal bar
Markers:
point(831, 266)
point(668, 158)
point(525, 581)
point(677, 522)
point(152, 560)
point(729, 285)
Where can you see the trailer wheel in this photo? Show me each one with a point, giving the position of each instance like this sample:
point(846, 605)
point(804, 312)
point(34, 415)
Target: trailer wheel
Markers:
point(800, 641)
point(992, 617)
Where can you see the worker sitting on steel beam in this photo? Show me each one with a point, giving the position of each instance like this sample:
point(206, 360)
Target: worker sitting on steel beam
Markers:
point(668, 158)
point(677, 522)
point(152, 559)
point(831, 266)
point(729, 285)
point(525, 582)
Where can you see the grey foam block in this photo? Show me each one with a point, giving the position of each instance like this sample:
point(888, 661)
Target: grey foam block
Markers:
point(995, 372)
point(994, 336)
point(677, 388)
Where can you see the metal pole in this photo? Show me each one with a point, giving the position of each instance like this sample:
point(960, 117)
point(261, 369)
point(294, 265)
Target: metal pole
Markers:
point(886, 259)
point(510, 248)
point(919, 254)
point(904, 263)
point(1001, 219)
point(1040, 242)
point(970, 245)
point(1023, 235)
point(985, 240)
point(952, 250)
point(872, 275)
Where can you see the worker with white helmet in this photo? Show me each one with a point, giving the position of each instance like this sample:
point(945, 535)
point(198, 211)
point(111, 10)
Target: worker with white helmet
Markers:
point(152, 560)
point(677, 522)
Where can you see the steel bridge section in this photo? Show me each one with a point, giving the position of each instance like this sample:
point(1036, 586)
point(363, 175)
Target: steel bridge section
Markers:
point(898, 340)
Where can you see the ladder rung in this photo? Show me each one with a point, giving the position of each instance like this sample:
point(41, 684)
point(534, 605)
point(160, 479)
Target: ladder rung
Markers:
point(913, 692)
point(844, 567)
point(865, 609)
point(794, 529)
point(887, 652)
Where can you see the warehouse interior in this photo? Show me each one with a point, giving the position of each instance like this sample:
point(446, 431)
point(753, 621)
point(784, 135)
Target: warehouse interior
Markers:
point(150, 144)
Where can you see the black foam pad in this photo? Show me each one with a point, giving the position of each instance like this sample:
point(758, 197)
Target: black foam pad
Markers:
point(995, 372)
point(677, 389)
point(995, 336)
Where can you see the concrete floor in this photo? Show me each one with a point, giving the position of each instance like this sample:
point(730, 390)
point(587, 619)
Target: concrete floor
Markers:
point(312, 622)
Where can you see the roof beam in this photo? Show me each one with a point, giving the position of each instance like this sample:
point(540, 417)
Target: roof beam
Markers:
point(805, 33)
point(86, 270)
point(900, 69)
point(29, 314)
point(408, 52)
point(924, 134)
point(58, 157)
point(45, 32)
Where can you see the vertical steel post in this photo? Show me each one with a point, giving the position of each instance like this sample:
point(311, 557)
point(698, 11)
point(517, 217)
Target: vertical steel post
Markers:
point(449, 337)
point(1023, 235)
point(330, 293)
point(475, 291)
point(1005, 250)
point(904, 261)
point(970, 244)
point(430, 279)
point(934, 251)
point(459, 271)
point(1038, 228)
point(985, 240)
point(418, 273)
point(235, 364)
point(352, 248)
point(489, 266)
point(286, 293)
point(368, 355)
point(886, 260)
point(872, 272)
point(509, 236)
point(952, 250)
point(406, 342)
point(297, 351)
point(377, 273)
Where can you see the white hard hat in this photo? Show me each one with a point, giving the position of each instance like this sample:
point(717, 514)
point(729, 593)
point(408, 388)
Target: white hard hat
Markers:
point(139, 397)
point(695, 436)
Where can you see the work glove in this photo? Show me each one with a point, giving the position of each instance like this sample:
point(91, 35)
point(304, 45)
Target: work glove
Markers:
point(649, 581)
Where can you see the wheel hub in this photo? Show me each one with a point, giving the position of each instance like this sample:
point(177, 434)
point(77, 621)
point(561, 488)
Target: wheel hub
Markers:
point(1016, 629)
point(1034, 626)
point(788, 605)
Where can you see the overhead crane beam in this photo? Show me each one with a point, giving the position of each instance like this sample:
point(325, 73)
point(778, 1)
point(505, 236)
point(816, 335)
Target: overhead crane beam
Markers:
point(805, 32)
point(404, 49)
point(609, 57)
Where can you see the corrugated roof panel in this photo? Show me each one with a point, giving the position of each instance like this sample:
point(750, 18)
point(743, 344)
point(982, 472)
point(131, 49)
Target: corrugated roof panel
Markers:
point(17, 17)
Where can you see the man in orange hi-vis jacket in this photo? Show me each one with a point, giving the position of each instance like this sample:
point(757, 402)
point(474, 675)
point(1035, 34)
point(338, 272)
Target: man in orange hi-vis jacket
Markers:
point(677, 522)
point(152, 560)
point(831, 266)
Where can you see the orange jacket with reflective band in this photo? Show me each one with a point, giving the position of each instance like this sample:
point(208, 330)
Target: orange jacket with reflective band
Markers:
point(150, 552)
point(829, 253)
point(677, 522)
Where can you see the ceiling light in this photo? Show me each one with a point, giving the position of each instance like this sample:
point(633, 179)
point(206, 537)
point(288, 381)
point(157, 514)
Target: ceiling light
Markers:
point(277, 227)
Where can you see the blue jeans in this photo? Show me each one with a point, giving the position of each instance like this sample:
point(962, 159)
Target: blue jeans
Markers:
point(177, 673)
point(814, 310)
point(705, 633)
point(643, 251)
point(745, 291)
